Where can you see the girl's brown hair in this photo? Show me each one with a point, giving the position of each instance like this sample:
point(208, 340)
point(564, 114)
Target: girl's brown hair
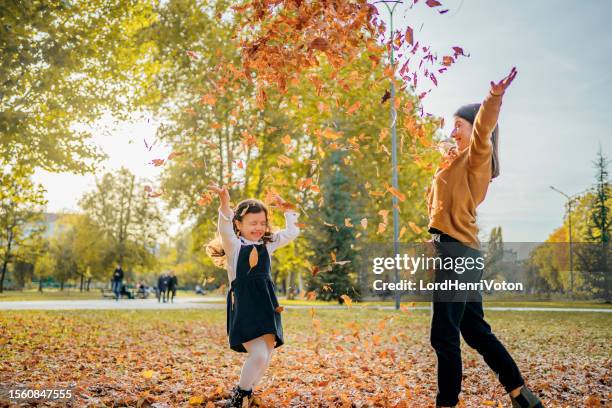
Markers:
point(214, 249)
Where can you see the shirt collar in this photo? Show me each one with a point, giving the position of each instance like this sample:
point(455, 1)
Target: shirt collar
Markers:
point(249, 242)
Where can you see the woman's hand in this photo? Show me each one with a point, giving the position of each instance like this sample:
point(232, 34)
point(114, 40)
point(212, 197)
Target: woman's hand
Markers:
point(223, 194)
point(500, 87)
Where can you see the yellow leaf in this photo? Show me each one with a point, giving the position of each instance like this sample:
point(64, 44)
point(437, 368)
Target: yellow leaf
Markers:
point(148, 373)
point(402, 232)
point(253, 257)
point(196, 400)
point(347, 300)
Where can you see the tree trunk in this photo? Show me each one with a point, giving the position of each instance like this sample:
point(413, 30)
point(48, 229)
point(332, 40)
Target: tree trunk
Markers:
point(61, 286)
point(88, 283)
point(4, 267)
point(40, 286)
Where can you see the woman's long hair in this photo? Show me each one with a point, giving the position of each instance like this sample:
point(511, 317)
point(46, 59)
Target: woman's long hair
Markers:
point(495, 155)
point(214, 249)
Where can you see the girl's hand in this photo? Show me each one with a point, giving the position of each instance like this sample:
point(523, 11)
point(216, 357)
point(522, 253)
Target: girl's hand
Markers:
point(223, 194)
point(500, 87)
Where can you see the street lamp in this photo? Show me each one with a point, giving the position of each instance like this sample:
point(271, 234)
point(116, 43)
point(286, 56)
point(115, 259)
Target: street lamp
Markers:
point(570, 199)
point(390, 5)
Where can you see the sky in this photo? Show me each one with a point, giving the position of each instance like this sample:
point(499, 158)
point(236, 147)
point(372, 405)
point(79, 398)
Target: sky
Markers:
point(552, 122)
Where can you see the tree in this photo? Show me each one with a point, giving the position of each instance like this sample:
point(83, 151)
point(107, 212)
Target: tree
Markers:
point(63, 63)
point(594, 255)
point(495, 253)
point(220, 131)
point(21, 206)
point(120, 207)
point(335, 239)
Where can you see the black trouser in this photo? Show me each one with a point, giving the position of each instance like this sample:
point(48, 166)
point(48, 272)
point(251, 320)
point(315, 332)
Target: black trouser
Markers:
point(461, 312)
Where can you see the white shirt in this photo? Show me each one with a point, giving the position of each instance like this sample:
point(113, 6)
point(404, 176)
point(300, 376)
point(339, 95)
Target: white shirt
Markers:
point(232, 243)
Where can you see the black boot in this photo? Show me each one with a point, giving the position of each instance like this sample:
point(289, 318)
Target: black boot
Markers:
point(526, 399)
point(238, 397)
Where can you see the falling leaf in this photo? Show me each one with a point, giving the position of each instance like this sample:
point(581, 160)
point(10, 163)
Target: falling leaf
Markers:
point(409, 36)
point(175, 154)
point(319, 44)
point(414, 227)
point(353, 108)
point(347, 300)
point(158, 162)
point(447, 60)
point(208, 99)
point(433, 3)
point(253, 257)
point(402, 232)
point(192, 55)
point(279, 309)
point(386, 96)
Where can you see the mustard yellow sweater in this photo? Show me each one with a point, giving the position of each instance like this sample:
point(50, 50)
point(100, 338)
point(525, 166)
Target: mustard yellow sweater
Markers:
point(458, 188)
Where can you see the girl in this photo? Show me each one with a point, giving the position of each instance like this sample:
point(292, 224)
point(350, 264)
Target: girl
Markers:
point(458, 187)
point(245, 246)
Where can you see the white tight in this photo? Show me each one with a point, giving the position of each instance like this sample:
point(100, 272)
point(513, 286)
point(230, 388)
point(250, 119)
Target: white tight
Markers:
point(260, 353)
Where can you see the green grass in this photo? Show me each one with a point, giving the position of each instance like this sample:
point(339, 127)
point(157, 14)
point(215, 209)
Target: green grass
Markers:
point(66, 294)
point(72, 294)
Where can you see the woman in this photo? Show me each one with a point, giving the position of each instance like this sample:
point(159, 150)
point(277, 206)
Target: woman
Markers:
point(460, 184)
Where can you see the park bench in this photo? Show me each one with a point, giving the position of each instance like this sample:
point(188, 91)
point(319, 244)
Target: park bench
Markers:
point(108, 293)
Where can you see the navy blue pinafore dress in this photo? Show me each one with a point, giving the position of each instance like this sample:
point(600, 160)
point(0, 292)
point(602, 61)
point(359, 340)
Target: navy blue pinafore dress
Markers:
point(252, 302)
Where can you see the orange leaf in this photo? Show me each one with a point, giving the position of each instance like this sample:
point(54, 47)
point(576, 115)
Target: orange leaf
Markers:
point(414, 227)
point(353, 107)
point(319, 44)
point(409, 36)
point(347, 300)
point(175, 154)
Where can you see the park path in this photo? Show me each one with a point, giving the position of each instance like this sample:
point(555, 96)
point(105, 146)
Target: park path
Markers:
point(219, 303)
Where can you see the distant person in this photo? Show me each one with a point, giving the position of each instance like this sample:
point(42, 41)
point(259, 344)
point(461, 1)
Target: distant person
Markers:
point(117, 281)
point(162, 287)
point(172, 284)
point(142, 290)
point(126, 292)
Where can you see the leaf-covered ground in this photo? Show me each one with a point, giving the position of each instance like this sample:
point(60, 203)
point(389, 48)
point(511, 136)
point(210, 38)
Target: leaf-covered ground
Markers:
point(351, 357)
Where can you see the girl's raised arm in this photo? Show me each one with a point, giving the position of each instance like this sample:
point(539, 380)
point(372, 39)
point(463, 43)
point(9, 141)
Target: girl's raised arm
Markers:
point(291, 230)
point(229, 240)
